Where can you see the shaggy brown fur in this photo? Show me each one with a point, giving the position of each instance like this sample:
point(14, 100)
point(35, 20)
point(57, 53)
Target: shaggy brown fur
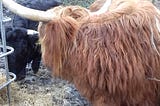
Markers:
point(109, 57)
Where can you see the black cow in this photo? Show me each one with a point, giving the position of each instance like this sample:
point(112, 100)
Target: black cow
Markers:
point(35, 4)
point(26, 50)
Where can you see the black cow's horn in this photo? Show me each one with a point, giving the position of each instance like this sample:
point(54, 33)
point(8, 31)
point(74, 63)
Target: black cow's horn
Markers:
point(32, 14)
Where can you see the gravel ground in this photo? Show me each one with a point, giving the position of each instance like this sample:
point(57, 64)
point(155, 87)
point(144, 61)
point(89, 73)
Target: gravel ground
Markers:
point(42, 89)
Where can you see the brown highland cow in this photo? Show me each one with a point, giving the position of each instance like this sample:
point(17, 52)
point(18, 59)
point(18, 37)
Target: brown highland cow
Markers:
point(112, 58)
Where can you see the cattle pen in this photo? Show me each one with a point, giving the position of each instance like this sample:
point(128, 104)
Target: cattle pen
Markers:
point(6, 77)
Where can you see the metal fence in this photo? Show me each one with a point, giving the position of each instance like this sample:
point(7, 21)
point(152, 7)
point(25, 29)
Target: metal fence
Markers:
point(4, 51)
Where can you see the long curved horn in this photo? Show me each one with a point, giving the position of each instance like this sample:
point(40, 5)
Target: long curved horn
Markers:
point(32, 14)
